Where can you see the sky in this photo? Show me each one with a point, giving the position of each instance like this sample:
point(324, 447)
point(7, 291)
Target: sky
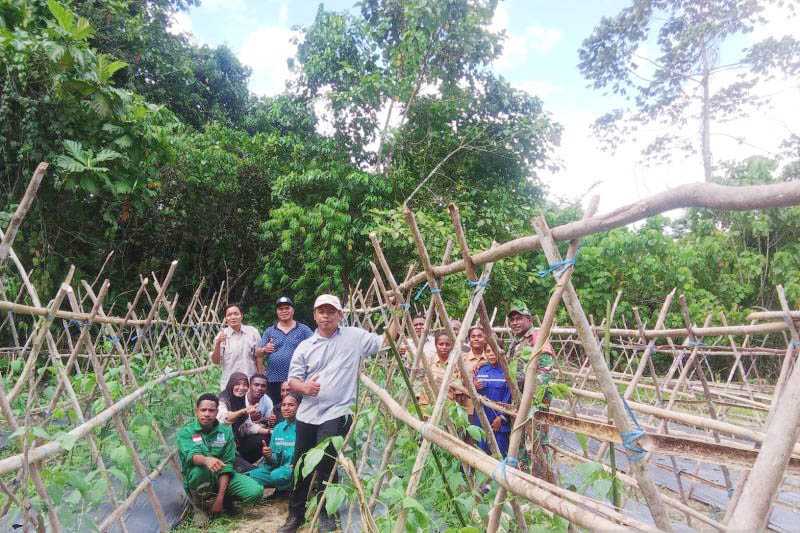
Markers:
point(540, 56)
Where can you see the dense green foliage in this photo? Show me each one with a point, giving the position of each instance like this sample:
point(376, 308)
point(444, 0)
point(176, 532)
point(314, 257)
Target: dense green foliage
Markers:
point(158, 152)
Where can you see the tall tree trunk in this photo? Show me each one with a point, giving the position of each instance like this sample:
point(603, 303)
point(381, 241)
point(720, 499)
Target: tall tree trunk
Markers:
point(705, 131)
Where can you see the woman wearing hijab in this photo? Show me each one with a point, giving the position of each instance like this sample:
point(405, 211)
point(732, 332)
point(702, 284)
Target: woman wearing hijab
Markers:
point(236, 411)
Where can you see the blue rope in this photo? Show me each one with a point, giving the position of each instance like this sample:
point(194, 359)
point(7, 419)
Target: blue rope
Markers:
point(405, 306)
point(694, 343)
point(630, 438)
point(420, 291)
point(558, 268)
point(434, 290)
point(478, 283)
point(501, 466)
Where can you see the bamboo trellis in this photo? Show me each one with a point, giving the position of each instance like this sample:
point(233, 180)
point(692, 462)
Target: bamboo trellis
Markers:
point(50, 349)
point(734, 421)
point(693, 397)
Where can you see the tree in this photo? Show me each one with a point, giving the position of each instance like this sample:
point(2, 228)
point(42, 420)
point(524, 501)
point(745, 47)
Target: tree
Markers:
point(697, 76)
point(197, 83)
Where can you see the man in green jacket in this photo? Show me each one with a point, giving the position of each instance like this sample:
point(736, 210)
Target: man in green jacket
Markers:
point(276, 470)
point(207, 449)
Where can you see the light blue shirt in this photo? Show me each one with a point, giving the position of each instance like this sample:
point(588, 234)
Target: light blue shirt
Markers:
point(336, 361)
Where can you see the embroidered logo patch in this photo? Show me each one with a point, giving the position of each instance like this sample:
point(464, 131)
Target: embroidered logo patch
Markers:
point(196, 438)
point(219, 441)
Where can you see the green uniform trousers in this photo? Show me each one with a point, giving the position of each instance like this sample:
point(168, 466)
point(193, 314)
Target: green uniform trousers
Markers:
point(202, 480)
point(279, 477)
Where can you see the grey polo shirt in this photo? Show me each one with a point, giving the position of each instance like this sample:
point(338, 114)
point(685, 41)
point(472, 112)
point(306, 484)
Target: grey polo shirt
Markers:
point(335, 360)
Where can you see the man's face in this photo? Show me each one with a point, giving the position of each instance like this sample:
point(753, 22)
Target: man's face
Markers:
point(327, 317)
point(477, 340)
point(419, 325)
point(206, 413)
point(233, 316)
point(258, 387)
point(455, 324)
point(289, 407)
point(519, 323)
point(284, 389)
point(285, 312)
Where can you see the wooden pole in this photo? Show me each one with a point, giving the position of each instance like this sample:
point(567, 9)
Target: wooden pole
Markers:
point(614, 401)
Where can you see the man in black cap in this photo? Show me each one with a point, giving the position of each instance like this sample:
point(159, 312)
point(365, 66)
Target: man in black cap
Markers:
point(278, 344)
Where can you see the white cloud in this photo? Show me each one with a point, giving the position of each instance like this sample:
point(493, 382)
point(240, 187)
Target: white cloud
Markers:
point(283, 14)
point(780, 21)
point(181, 22)
point(624, 178)
point(540, 88)
point(266, 51)
point(518, 46)
point(227, 5)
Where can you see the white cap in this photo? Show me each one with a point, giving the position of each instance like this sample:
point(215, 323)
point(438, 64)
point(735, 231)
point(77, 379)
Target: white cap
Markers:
point(328, 299)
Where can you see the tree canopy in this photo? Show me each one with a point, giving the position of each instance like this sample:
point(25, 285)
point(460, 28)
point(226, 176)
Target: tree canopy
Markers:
point(160, 152)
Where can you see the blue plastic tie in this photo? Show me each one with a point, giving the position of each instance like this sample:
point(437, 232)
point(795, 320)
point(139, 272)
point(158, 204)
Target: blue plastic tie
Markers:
point(694, 343)
point(435, 290)
point(630, 438)
point(501, 466)
point(559, 267)
point(478, 283)
point(420, 291)
point(405, 306)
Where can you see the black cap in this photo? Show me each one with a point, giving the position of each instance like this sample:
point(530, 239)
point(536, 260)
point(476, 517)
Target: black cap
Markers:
point(284, 300)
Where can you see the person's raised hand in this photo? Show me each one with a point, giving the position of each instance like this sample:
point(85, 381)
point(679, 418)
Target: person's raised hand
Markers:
point(478, 383)
point(255, 415)
point(496, 423)
point(312, 386)
point(270, 346)
point(214, 464)
point(221, 337)
point(272, 420)
point(266, 451)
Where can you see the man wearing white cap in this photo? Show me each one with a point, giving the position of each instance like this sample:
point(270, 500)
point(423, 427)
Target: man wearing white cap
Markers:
point(324, 370)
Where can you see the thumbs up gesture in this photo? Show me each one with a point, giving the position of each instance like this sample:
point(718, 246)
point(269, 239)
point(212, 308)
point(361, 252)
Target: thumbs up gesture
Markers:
point(269, 347)
point(312, 386)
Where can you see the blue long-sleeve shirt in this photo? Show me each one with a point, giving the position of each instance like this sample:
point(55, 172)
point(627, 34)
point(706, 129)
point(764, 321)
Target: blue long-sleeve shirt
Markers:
point(496, 389)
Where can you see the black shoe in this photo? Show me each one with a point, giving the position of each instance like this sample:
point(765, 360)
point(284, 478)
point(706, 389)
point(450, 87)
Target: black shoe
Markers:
point(326, 523)
point(291, 525)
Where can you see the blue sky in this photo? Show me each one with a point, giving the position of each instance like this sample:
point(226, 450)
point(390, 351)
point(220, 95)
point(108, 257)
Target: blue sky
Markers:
point(541, 57)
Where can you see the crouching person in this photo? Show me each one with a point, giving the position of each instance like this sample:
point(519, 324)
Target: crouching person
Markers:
point(276, 470)
point(207, 449)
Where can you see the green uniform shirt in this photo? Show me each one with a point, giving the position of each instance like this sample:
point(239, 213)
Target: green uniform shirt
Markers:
point(217, 442)
point(282, 443)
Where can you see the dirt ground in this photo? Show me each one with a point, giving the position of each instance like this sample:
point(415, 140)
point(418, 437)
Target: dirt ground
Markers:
point(264, 518)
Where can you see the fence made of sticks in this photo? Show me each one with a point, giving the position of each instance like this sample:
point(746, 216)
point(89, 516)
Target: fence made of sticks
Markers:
point(90, 389)
point(691, 444)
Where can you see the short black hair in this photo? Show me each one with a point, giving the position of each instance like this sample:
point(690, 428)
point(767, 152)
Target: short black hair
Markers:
point(211, 397)
point(259, 376)
point(237, 305)
point(294, 395)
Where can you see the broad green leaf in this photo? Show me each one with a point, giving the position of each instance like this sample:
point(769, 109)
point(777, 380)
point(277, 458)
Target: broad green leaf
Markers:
point(602, 487)
point(334, 498)
point(62, 14)
point(311, 460)
point(67, 440)
point(475, 432)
